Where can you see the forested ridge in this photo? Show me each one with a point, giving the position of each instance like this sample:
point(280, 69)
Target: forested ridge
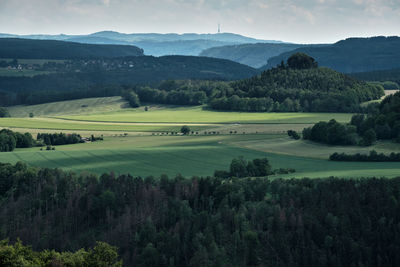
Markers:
point(298, 85)
point(352, 55)
point(379, 75)
point(105, 77)
point(205, 221)
point(50, 49)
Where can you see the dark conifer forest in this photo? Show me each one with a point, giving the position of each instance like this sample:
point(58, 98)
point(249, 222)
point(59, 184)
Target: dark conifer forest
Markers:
point(205, 220)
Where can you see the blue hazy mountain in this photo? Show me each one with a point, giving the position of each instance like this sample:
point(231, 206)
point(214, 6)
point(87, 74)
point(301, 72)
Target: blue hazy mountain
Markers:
point(351, 55)
point(154, 44)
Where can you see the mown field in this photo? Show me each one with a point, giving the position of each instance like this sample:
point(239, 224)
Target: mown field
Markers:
point(198, 115)
point(79, 106)
point(146, 152)
point(188, 155)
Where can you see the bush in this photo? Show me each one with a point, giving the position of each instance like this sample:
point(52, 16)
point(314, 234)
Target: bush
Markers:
point(4, 113)
point(369, 137)
point(332, 132)
point(240, 168)
point(293, 134)
point(185, 130)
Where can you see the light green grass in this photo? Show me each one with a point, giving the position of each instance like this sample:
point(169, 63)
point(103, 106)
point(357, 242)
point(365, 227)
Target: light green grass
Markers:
point(54, 124)
point(188, 155)
point(79, 106)
point(198, 115)
point(302, 148)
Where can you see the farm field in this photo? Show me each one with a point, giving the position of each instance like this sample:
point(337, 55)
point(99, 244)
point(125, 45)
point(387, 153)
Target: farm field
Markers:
point(198, 115)
point(188, 155)
point(71, 126)
point(79, 106)
point(110, 116)
point(147, 150)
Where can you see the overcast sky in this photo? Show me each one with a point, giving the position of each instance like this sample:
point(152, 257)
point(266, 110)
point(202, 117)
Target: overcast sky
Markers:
point(302, 21)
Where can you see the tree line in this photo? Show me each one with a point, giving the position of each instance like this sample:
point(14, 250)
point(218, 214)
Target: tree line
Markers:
point(373, 156)
point(10, 140)
point(383, 124)
point(298, 85)
point(75, 79)
point(4, 113)
point(205, 220)
point(18, 254)
point(56, 139)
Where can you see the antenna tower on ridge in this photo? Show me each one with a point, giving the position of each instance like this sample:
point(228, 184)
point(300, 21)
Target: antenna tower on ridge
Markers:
point(219, 28)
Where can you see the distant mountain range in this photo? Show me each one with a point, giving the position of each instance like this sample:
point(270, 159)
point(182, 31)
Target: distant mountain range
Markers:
point(351, 55)
point(154, 44)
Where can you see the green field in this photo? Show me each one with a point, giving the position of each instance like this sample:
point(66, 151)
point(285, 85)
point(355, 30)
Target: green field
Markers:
point(188, 155)
point(80, 106)
point(198, 115)
point(145, 152)
point(111, 114)
point(54, 124)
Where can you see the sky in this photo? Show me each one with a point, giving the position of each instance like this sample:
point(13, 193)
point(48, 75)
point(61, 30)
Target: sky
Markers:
point(298, 21)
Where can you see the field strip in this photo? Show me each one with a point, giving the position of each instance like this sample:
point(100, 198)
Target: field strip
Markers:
point(79, 121)
point(167, 123)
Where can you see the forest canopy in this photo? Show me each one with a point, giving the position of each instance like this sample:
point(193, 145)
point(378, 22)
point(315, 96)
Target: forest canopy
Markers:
point(218, 221)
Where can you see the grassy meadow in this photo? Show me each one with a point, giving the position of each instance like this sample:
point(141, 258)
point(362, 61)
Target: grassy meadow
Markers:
point(199, 115)
point(147, 150)
point(188, 155)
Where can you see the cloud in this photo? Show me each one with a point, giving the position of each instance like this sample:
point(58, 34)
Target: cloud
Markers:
point(289, 20)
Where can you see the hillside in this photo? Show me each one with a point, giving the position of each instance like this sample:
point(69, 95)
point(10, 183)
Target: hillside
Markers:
point(352, 55)
point(379, 75)
point(105, 77)
point(254, 55)
point(49, 49)
point(299, 85)
point(289, 89)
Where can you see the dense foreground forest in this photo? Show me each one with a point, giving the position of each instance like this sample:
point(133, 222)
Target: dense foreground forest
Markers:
point(205, 221)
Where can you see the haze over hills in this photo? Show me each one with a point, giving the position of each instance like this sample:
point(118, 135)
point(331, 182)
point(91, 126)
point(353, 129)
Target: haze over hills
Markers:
point(254, 55)
point(352, 55)
point(153, 43)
